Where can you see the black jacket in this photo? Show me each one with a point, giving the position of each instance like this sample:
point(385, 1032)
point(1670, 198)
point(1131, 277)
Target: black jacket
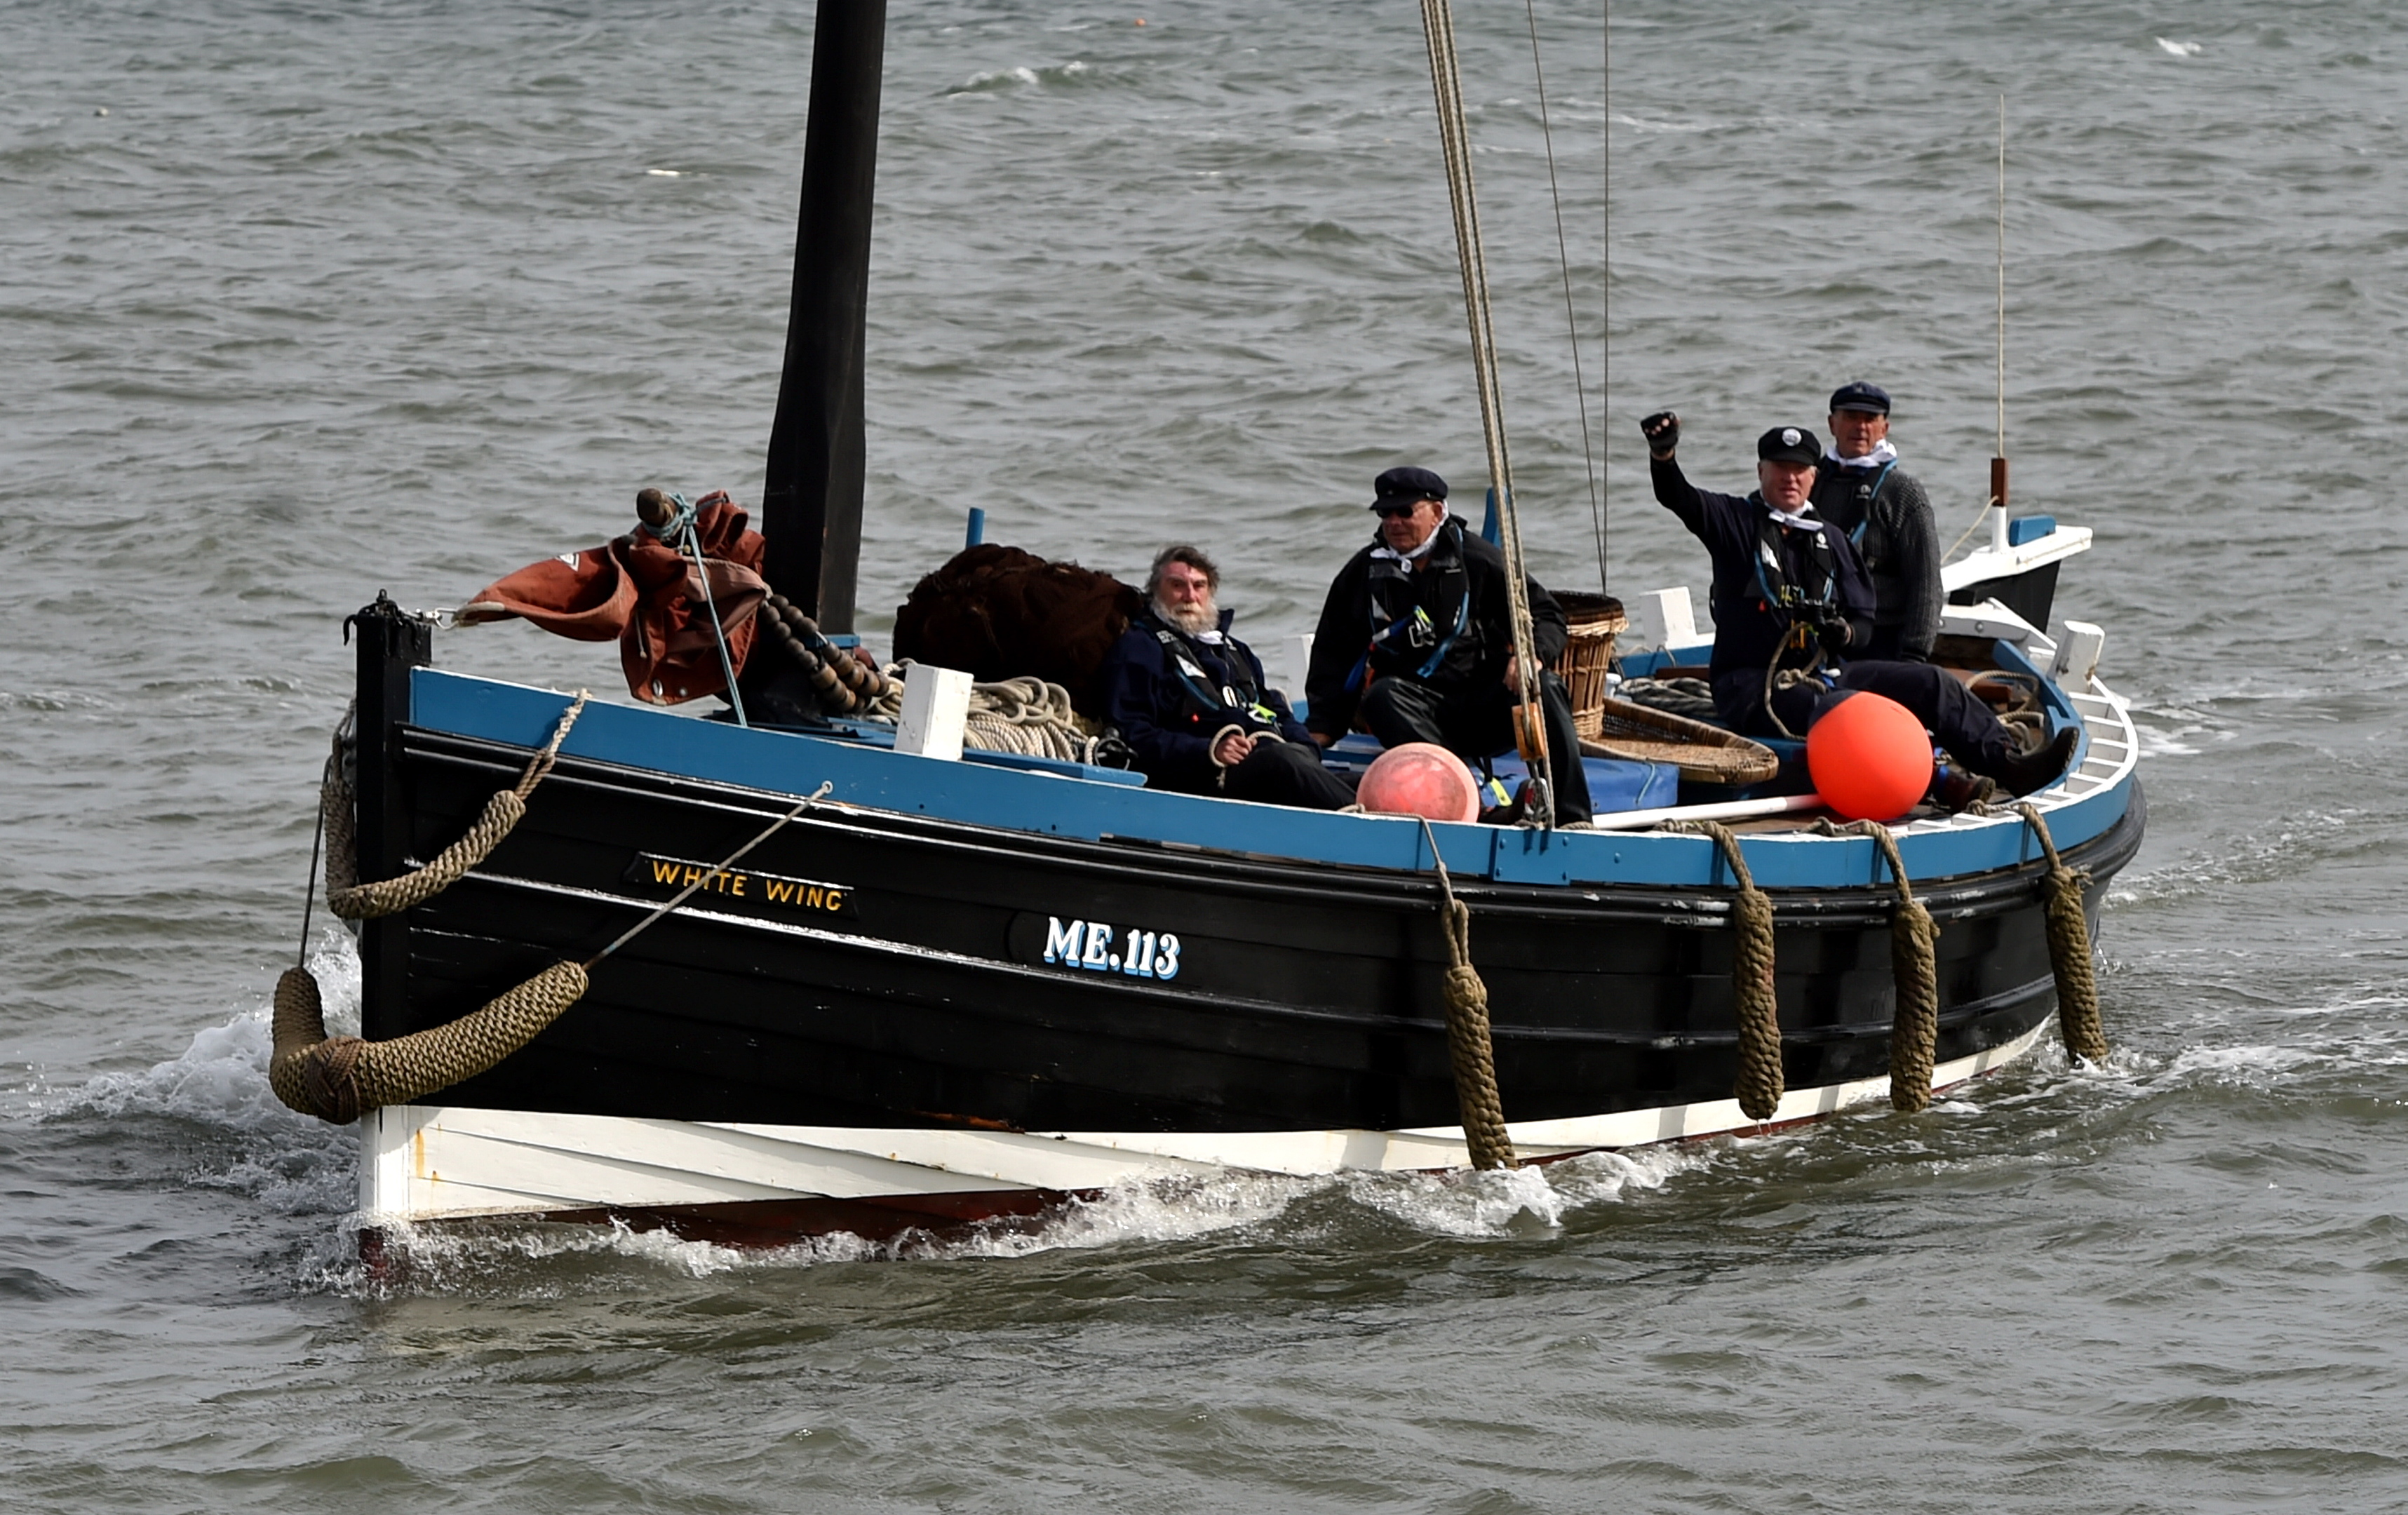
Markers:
point(1169, 716)
point(1888, 517)
point(1461, 638)
point(1748, 630)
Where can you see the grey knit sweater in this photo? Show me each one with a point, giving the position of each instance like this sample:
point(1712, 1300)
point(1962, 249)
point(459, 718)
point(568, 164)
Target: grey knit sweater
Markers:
point(1901, 547)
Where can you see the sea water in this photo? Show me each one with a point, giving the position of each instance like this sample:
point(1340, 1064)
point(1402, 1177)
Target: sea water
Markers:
point(302, 302)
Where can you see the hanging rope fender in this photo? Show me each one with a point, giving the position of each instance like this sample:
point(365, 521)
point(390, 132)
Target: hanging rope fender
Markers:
point(340, 1078)
point(1471, 1047)
point(1759, 1085)
point(1914, 970)
point(355, 901)
point(2068, 948)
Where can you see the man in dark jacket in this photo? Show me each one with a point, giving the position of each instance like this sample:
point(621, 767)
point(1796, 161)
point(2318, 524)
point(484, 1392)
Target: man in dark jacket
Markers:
point(1417, 638)
point(1790, 598)
point(1192, 703)
point(1862, 490)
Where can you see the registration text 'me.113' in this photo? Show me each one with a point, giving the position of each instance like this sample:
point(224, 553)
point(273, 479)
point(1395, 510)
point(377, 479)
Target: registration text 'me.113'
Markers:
point(1089, 944)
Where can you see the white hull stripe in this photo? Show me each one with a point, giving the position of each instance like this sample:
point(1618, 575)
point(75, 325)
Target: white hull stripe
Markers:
point(430, 1162)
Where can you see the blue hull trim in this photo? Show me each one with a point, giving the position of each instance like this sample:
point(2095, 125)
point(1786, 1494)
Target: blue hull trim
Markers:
point(1044, 803)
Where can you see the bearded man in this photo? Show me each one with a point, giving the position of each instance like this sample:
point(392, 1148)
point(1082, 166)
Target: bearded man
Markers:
point(1192, 703)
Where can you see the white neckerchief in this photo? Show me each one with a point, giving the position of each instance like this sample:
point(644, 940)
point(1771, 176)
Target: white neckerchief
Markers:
point(1800, 522)
point(1881, 454)
point(1427, 542)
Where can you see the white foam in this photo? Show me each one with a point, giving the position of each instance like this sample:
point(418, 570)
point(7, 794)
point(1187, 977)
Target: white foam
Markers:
point(1022, 76)
point(1498, 1203)
point(288, 1162)
point(448, 1258)
point(2180, 49)
point(1153, 1209)
point(664, 173)
point(2253, 1065)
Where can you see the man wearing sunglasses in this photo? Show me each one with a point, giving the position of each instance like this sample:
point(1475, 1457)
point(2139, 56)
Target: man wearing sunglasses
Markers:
point(1416, 640)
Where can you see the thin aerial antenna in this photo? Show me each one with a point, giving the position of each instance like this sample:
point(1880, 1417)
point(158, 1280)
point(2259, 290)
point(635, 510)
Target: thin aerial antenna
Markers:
point(1999, 460)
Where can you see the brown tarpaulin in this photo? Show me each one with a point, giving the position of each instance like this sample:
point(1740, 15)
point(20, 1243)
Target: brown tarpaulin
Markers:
point(648, 594)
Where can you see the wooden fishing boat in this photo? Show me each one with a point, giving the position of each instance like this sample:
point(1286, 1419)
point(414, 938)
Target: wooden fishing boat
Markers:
point(949, 989)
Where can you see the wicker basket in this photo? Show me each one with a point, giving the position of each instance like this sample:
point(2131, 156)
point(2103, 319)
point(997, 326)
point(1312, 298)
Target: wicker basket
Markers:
point(1706, 753)
point(1594, 620)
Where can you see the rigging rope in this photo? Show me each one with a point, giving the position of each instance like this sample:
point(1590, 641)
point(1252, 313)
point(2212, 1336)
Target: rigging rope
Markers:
point(1572, 315)
point(1454, 139)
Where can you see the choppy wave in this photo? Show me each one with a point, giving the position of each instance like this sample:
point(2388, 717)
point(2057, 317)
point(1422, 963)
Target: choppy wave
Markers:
point(1022, 76)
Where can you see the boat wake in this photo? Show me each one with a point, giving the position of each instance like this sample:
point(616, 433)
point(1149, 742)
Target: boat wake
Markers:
point(523, 1255)
point(290, 1165)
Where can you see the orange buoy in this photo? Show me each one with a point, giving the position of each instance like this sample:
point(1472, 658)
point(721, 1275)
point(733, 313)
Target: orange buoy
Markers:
point(1870, 758)
point(1420, 779)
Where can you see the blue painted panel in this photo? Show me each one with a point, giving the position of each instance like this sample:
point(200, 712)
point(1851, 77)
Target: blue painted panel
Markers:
point(2024, 529)
point(875, 734)
point(1614, 783)
point(1046, 803)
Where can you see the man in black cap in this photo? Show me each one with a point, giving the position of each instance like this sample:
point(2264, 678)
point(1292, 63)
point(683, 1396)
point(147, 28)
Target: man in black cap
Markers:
point(1192, 703)
point(1791, 599)
point(1860, 489)
point(1417, 638)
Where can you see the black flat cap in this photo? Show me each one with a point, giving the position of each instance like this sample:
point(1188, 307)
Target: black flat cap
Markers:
point(1789, 444)
point(1872, 399)
point(1407, 484)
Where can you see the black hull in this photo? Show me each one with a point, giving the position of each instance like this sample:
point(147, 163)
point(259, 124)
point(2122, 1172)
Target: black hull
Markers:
point(1307, 996)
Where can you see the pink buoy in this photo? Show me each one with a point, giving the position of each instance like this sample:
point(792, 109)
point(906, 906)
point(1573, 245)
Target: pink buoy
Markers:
point(1869, 757)
point(1420, 779)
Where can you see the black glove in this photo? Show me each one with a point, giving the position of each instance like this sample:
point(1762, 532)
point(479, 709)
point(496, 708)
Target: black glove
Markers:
point(1663, 433)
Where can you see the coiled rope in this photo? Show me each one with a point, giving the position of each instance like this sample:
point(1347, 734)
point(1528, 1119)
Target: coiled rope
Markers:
point(1759, 1085)
point(2068, 948)
point(1026, 716)
point(355, 901)
point(1470, 1048)
point(1915, 971)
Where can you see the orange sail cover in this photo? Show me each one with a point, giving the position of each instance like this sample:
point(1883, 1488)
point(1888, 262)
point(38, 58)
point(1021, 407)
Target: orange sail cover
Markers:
point(648, 594)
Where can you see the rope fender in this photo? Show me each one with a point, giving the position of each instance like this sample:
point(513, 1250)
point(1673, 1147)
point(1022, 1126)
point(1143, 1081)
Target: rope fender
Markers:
point(1914, 970)
point(1471, 1047)
point(1759, 1085)
point(355, 901)
point(2068, 948)
point(340, 1079)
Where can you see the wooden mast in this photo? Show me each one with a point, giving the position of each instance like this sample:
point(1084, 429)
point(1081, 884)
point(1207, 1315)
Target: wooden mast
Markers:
point(811, 507)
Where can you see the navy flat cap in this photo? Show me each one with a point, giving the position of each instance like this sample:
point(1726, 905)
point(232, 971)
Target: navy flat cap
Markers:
point(1789, 444)
point(1407, 484)
point(1872, 399)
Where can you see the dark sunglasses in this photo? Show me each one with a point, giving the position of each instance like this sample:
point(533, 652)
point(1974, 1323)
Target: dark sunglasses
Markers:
point(1386, 509)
